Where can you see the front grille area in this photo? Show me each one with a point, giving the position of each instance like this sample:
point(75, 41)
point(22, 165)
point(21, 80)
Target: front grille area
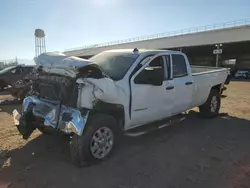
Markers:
point(50, 91)
point(56, 88)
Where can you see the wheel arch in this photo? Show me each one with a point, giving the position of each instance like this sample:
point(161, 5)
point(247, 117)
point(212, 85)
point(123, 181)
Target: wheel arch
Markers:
point(114, 110)
point(218, 87)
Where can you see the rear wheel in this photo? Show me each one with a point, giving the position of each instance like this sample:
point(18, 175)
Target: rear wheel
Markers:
point(97, 142)
point(211, 107)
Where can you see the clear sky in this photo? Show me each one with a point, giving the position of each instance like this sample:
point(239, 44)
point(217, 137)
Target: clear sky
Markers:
point(75, 23)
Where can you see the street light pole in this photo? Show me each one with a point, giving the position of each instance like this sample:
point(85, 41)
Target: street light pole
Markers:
point(217, 54)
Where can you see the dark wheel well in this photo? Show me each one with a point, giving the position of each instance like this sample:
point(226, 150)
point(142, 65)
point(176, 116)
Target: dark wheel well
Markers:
point(216, 87)
point(114, 110)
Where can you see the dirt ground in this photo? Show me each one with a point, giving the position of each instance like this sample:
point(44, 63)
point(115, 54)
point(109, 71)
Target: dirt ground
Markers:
point(207, 153)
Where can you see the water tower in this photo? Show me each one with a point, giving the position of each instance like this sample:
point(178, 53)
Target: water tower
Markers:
point(39, 42)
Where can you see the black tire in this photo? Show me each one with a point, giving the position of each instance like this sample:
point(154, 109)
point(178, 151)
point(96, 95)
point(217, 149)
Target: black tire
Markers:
point(206, 110)
point(80, 151)
point(45, 130)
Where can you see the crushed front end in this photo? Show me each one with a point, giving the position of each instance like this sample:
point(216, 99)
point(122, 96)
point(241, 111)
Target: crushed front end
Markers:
point(38, 113)
point(52, 104)
point(63, 91)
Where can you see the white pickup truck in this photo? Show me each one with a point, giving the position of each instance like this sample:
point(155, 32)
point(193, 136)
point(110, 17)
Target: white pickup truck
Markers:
point(115, 92)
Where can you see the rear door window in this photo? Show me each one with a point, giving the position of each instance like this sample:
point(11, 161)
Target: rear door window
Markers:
point(179, 66)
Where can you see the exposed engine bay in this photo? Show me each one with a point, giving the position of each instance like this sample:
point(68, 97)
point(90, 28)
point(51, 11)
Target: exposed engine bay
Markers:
point(63, 92)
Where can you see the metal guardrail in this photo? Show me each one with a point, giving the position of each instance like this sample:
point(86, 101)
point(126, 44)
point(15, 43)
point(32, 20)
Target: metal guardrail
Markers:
point(231, 24)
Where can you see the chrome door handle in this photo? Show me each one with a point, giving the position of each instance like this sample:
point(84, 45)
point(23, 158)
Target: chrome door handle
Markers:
point(189, 83)
point(169, 87)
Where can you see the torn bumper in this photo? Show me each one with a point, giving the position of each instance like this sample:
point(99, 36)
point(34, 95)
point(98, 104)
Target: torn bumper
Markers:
point(37, 113)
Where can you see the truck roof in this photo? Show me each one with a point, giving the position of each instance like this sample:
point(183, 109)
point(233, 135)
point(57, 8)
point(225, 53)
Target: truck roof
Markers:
point(141, 51)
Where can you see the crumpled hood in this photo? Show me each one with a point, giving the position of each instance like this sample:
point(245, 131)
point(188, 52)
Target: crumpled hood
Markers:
point(94, 84)
point(59, 63)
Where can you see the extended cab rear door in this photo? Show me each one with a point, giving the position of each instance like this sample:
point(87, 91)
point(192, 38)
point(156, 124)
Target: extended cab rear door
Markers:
point(183, 83)
point(151, 102)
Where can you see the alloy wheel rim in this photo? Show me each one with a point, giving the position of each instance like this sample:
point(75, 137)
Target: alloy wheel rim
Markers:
point(101, 142)
point(214, 104)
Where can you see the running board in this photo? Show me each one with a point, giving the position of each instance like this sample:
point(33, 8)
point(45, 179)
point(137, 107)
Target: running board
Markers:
point(138, 131)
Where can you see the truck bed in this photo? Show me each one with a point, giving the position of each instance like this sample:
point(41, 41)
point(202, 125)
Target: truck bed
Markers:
point(197, 70)
point(204, 79)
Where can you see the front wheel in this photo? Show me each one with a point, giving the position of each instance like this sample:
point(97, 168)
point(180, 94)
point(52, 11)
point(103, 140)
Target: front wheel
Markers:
point(97, 142)
point(45, 130)
point(211, 107)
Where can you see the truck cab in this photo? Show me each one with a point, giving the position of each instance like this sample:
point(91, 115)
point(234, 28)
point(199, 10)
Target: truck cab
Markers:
point(162, 78)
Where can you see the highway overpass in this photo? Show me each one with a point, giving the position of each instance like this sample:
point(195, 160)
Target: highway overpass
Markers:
point(198, 43)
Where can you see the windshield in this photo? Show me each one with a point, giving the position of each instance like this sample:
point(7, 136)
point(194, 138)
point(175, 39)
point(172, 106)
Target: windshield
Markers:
point(115, 64)
point(6, 69)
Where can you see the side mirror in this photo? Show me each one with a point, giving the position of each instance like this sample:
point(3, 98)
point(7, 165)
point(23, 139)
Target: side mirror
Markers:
point(151, 76)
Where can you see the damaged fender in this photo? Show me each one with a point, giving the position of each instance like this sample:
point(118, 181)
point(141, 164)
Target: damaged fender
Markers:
point(104, 89)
